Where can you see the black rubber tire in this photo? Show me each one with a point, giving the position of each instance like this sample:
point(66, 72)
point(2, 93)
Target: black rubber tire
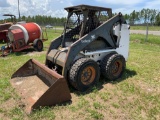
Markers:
point(82, 69)
point(38, 45)
point(113, 66)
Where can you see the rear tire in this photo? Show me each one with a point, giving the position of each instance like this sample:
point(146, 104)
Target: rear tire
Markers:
point(113, 66)
point(83, 74)
point(38, 45)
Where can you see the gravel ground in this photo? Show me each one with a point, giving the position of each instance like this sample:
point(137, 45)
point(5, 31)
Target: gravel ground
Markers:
point(132, 31)
point(144, 32)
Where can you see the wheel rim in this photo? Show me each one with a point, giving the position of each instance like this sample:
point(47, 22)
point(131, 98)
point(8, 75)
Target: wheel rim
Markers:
point(117, 68)
point(39, 45)
point(88, 75)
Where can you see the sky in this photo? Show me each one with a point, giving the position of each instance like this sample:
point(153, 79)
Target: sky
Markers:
point(55, 8)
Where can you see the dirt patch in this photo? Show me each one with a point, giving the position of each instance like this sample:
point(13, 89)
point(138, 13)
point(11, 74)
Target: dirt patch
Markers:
point(148, 88)
point(6, 107)
point(90, 107)
point(33, 53)
point(136, 41)
point(3, 117)
point(9, 104)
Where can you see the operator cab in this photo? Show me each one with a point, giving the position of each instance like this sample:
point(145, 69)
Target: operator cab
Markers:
point(81, 20)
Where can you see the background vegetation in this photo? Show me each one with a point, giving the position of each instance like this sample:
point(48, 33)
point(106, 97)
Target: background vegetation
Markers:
point(150, 28)
point(41, 20)
point(142, 17)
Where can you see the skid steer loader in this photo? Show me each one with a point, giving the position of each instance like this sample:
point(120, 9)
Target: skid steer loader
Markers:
point(93, 43)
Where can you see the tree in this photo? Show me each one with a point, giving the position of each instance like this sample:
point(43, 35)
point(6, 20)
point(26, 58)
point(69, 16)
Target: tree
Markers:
point(153, 16)
point(143, 16)
point(132, 17)
point(157, 20)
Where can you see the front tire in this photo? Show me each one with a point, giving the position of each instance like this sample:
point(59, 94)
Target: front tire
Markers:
point(83, 74)
point(113, 66)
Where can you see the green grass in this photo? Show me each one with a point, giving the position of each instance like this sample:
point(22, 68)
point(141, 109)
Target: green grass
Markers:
point(152, 39)
point(134, 96)
point(51, 34)
point(152, 28)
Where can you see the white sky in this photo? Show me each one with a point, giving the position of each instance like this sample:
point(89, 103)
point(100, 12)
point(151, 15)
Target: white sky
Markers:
point(55, 8)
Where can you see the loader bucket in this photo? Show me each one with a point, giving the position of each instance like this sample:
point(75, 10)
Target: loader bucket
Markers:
point(39, 86)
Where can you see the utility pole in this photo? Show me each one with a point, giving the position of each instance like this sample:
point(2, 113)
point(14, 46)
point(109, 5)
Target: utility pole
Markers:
point(146, 33)
point(19, 11)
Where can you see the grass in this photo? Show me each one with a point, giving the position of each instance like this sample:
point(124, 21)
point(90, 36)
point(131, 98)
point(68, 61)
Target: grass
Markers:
point(152, 28)
point(134, 96)
point(152, 39)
